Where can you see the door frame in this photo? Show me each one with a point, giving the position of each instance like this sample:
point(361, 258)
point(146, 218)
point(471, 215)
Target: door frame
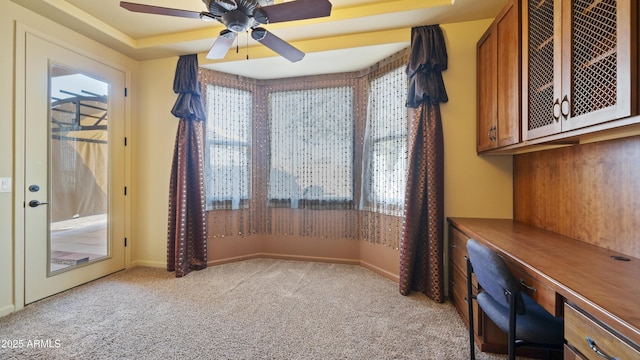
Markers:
point(21, 31)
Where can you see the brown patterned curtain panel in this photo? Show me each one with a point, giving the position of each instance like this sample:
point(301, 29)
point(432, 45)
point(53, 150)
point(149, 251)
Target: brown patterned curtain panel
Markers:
point(187, 235)
point(421, 247)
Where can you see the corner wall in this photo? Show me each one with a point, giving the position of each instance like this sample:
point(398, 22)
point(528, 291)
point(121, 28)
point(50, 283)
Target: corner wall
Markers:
point(475, 186)
point(152, 143)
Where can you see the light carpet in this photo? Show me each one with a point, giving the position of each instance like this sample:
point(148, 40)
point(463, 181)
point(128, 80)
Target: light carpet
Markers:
point(254, 309)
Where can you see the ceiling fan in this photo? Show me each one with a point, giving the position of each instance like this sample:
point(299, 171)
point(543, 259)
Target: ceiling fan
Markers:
point(242, 15)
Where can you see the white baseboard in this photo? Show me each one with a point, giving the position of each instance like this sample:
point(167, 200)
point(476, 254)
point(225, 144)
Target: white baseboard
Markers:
point(7, 310)
point(153, 264)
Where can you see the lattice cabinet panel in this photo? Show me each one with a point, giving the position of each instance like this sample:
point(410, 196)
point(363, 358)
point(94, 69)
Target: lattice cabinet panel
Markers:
point(594, 64)
point(541, 66)
point(580, 67)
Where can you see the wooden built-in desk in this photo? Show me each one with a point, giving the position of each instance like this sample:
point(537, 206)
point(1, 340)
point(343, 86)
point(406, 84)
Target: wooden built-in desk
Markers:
point(581, 282)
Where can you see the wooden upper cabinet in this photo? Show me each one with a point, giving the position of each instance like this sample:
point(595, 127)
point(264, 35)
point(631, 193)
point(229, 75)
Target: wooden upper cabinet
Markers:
point(499, 81)
point(487, 85)
point(580, 64)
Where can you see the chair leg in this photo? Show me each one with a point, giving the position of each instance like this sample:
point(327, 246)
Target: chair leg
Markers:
point(472, 344)
point(512, 326)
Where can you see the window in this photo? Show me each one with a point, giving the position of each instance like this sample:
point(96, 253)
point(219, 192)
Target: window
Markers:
point(227, 147)
point(385, 152)
point(311, 144)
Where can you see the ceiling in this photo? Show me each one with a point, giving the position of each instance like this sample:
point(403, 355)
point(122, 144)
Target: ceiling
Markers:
point(358, 33)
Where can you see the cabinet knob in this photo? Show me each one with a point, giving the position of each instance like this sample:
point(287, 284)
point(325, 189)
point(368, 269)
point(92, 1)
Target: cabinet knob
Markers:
point(565, 107)
point(491, 134)
point(556, 110)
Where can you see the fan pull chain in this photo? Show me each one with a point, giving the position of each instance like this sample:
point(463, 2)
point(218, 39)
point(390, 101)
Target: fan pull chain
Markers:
point(247, 44)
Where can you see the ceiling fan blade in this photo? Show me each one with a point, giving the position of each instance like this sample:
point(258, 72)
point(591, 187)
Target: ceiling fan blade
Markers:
point(222, 45)
point(293, 10)
point(149, 9)
point(276, 44)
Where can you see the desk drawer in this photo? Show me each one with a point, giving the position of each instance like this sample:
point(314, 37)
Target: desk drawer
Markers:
point(542, 294)
point(578, 329)
point(458, 289)
point(458, 248)
point(458, 253)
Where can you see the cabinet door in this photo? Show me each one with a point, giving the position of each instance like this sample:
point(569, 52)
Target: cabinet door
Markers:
point(597, 61)
point(487, 85)
point(541, 66)
point(499, 81)
point(508, 59)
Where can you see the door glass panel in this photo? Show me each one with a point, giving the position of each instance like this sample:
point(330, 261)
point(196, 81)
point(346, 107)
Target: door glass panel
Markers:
point(78, 170)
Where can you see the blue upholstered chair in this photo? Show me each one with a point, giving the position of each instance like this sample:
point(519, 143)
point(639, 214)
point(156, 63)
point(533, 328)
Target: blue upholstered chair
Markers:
point(524, 320)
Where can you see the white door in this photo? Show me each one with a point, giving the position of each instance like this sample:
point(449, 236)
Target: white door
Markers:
point(74, 169)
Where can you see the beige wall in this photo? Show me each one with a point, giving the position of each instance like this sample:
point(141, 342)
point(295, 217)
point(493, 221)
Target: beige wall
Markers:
point(12, 131)
point(153, 138)
point(475, 186)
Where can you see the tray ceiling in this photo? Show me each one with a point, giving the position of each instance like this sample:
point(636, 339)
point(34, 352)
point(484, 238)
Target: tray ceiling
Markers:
point(356, 35)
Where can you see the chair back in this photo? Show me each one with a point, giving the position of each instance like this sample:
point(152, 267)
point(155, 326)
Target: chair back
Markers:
point(493, 275)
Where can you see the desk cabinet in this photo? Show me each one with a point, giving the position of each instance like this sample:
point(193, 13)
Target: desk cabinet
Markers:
point(488, 336)
point(596, 294)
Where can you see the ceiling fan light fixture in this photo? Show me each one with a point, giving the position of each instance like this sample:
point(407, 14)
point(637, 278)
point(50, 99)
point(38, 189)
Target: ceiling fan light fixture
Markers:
point(258, 33)
point(236, 21)
point(260, 16)
point(227, 34)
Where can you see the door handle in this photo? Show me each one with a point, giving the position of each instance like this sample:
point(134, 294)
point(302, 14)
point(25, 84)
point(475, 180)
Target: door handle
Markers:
point(36, 203)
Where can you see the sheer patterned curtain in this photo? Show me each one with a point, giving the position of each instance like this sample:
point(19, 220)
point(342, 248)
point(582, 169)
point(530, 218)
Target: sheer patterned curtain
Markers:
point(311, 144)
point(308, 171)
point(233, 167)
point(384, 158)
point(228, 147)
point(187, 230)
point(385, 145)
point(421, 249)
point(311, 148)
